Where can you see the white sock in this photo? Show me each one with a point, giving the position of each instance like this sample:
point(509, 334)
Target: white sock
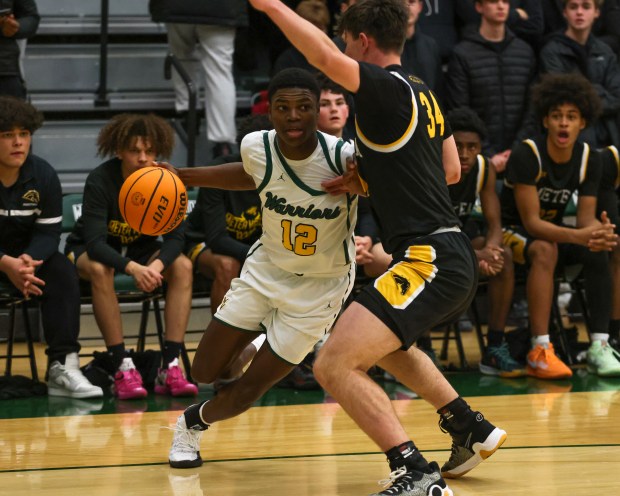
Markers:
point(599, 336)
point(542, 340)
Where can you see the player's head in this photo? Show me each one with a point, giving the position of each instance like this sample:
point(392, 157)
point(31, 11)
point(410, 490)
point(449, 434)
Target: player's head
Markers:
point(294, 111)
point(468, 131)
point(493, 11)
point(566, 103)
point(136, 139)
point(385, 21)
point(316, 12)
point(581, 14)
point(415, 9)
point(18, 120)
point(333, 106)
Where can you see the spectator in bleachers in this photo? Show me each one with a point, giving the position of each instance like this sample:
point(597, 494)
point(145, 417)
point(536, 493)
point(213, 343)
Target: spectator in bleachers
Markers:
point(317, 13)
point(494, 259)
point(490, 72)
point(542, 175)
point(578, 50)
point(334, 109)
point(19, 19)
point(102, 244)
point(30, 223)
point(421, 55)
point(206, 30)
point(445, 20)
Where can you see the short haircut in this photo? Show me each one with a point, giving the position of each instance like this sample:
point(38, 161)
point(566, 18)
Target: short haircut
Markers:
point(15, 112)
point(465, 119)
point(251, 123)
point(121, 131)
point(326, 84)
point(554, 90)
point(293, 78)
point(597, 3)
point(383, 20)
point(316, 12)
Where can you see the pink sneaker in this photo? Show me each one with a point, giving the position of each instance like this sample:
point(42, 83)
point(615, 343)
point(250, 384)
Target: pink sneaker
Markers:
point(128, 381)
point(172, 381)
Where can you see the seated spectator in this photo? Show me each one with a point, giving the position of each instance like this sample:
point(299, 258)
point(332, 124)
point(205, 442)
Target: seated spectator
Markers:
point(102, 245)
point(578, 50)
point(421, 55)
point(490, 72)
point(20, 23)
point(542, 175)
point(30, 222)
point(334, 109)
point(495, 259)
point(316, 12)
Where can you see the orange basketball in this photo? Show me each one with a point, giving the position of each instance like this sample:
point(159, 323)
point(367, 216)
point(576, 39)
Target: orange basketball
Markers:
point(153, 201)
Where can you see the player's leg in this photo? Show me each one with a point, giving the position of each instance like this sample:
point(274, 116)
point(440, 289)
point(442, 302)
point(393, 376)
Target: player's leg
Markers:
point(222, 270)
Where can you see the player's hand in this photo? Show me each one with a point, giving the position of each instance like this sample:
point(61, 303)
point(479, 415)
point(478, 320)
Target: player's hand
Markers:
point(167, 166)
point(490, 260)
point(603, 237)
point(147, 279)
point(363, 255)
point(21, 273)
point(499, 160)
point(349, 182)
point(10, 25)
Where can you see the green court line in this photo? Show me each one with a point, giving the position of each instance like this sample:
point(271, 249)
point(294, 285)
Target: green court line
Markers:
point(292, 457)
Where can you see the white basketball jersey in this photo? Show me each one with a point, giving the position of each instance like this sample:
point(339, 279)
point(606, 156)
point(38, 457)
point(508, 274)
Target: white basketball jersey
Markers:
point(305, 230)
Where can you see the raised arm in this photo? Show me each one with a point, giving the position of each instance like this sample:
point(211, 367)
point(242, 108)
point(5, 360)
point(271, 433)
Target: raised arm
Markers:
point(316, 46)
point(230, 176)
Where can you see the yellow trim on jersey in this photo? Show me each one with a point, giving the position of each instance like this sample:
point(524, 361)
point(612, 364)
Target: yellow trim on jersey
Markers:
point(584, 163)
point(480, 179)
point(534, 148)
point(616, 155)
point(400, 142)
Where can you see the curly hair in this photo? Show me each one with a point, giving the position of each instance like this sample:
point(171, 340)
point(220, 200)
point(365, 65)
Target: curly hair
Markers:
point(554, 90)
point(465, 119)
point(121, 131)
point(293, 77)
point(15, 112)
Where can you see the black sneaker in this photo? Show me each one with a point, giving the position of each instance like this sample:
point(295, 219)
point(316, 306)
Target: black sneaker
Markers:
point(471, 446)
point(408, 482)
point(498, 361)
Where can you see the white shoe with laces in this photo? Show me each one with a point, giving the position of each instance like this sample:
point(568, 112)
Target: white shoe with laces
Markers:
point(67, 380)
point(185, 449)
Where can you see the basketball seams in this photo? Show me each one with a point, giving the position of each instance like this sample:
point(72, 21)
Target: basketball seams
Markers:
point(128, 193)
point(148, 204)
point(173, 211)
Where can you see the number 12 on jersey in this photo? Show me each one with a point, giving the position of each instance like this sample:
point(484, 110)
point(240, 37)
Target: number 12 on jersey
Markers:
point(300, 240)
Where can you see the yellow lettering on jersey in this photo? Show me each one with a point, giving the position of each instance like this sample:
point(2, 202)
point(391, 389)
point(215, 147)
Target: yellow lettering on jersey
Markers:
point(435, 116)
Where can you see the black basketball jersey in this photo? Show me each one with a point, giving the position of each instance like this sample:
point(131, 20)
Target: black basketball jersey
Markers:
point(464, 193)
point(400, 130)
point(530, 164)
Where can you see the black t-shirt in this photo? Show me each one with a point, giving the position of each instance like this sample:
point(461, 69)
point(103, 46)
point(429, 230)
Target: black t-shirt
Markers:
point(530, 164)
point(399, 141)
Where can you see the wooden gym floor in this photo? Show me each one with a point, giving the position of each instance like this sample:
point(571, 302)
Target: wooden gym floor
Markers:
point(563, 439)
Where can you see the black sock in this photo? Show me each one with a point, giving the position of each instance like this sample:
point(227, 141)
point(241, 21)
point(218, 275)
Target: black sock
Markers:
point(170, 351)
point(495, 338)
point(407, 454)
point(193, 420)
point(117, 353)
point(457, 414)
point(614, 329)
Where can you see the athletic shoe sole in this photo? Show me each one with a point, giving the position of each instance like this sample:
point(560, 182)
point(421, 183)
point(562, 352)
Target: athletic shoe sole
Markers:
point(186, 463)
point(63, 393)
point(482, 451)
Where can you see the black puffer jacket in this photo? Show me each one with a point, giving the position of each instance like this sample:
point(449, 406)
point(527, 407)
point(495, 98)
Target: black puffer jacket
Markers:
point(598, 63)
point(493, 80)
point(215, 12)
point(25, 11)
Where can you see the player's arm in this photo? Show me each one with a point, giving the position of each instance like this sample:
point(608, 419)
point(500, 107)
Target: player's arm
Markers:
point(491, 210)
point(528, 204)
point(317, 47)
point(451, 163)
point(231, 176)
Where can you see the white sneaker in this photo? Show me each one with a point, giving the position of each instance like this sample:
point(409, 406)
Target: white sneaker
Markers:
point(185, 449)
point(67, 380)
